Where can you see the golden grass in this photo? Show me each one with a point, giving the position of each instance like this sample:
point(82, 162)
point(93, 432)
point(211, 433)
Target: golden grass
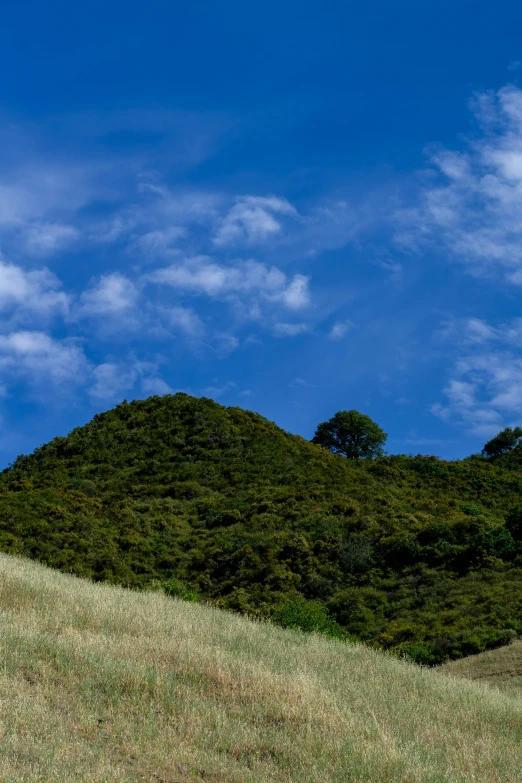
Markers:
point(500, 668)
point(101, 684)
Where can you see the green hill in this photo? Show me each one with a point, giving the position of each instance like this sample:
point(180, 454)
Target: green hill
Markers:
point(105, 685)
point(412, 554)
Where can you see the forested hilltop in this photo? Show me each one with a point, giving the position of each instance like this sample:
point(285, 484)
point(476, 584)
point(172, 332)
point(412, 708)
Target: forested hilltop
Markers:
point(178, 493)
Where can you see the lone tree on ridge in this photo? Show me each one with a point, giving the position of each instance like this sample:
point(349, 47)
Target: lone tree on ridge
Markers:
point(352, 434)
point(503, 442)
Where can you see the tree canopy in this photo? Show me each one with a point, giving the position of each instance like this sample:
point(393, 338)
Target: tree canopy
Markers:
point(504, 442)
point(352, 434)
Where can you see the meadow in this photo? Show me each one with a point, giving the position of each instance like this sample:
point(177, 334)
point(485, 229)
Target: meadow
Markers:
point(106, 684)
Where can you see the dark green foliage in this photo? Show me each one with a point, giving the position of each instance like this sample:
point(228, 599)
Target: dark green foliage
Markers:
point(351, 434)
point(412, 554)
point(311, 616)
point(504, 442)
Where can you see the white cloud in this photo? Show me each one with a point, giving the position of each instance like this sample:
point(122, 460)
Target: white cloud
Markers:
point(394, 269)
point(159, 243)
point(111, 230)
point(202, 275)
point(33, 193)
point(40, 201)
point(289, 330)
point(485, 389)
point(40, 358)
point(473, 208)
point(296, 294)
point(30, 291)
point(165, 207)
point(252, 219)
point(185, 319)
point(225, 343)
point(477, 331)
point(340, 329)
point(44, 239)
point(112, 380)
point(156, 386)
point(48, 206)
point(112, 294)
point(199, 275)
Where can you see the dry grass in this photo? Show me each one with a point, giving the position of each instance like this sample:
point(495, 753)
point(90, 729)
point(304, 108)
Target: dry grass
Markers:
point(500, 668)
point(100, 684)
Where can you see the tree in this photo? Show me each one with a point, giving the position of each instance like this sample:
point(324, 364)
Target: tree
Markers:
point(351, 433)
point(503, 442)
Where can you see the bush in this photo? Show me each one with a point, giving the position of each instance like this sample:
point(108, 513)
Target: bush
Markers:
point(311, 616)
point(177, 589)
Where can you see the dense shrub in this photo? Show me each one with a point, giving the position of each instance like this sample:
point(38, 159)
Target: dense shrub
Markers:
point(311, 616)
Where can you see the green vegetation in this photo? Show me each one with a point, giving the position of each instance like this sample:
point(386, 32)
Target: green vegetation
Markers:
point(105, 685)
point(351, 434)
point(412, 554)
point(503, 443)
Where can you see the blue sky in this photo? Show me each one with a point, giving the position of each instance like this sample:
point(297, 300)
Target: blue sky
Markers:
point(291, 207)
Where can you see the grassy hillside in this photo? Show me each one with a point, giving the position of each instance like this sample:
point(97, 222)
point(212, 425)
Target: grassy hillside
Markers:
point(500, 668)
point(412, 554)
point(104, 685)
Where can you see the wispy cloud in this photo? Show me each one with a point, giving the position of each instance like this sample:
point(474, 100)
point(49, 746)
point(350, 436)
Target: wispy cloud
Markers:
point(30, 293)
point(32, 193)
point(290, 330)
point(252, 220)
point(300, 382)
point(112, 294)
point(340, 329)
point(485, 386)
point(471, 200)
point(155, 385)
point(112, 380)
point(296, 294)
point(185, 319)
point(147, 265)
point(38, 357)
point(202, 275)
point(47, 239)
point(219, 390)
point(157, 244)
point(225, 343)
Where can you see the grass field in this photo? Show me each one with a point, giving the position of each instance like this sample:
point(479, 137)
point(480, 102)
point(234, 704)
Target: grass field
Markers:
point(101, 684)
point(500, 668)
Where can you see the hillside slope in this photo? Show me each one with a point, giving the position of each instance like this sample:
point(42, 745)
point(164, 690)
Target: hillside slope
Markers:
point(407, 553)
point(500, 668)
point(105, 685)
